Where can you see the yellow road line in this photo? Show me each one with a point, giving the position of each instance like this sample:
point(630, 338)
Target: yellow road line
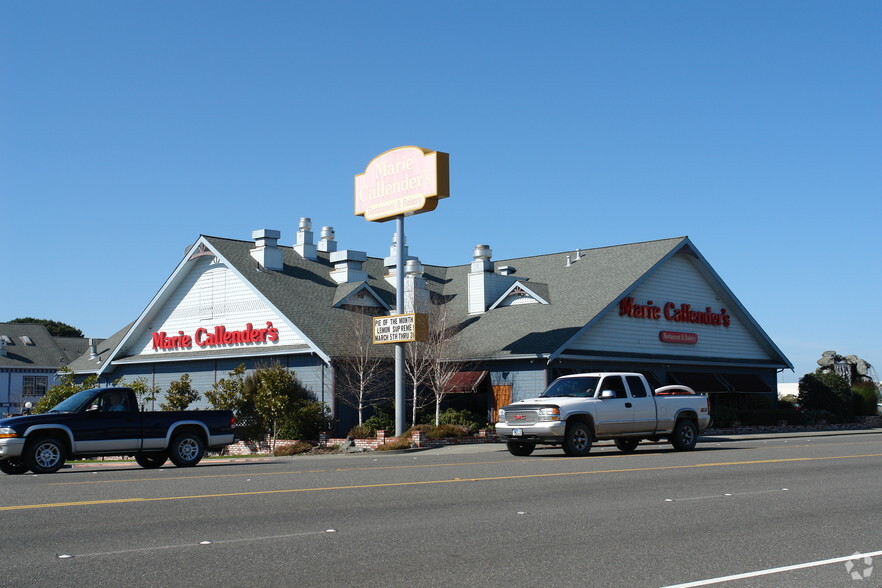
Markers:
point(428, 482)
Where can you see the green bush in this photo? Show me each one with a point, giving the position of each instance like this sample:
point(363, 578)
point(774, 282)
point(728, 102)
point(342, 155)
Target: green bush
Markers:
point(828, 392)
point(383, 419)
point(361, 432)
point(723, 416)
point(865, 396)
point(393, 445)
point(814, 417)
point(292, 448)
point(462, 418)
point(758, 417)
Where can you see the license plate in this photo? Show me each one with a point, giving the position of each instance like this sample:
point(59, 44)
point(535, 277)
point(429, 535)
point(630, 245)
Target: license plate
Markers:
point(517, 432)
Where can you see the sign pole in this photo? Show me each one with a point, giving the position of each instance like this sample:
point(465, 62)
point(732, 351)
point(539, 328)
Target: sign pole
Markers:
point(400, 407)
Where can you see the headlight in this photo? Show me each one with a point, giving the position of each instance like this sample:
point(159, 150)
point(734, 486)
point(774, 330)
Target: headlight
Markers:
point(7, 433)
point(549, 413)
point(500, 416)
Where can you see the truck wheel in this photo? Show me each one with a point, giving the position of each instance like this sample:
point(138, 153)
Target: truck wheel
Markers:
point(151, 461)
point(13, 466)
point(520, 449)
point(577, 440)
point(186, 450)
point(627, 444)
point(685, 435)
point(44, 456)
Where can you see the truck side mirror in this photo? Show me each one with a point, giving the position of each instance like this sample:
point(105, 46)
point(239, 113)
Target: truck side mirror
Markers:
point(607, 395)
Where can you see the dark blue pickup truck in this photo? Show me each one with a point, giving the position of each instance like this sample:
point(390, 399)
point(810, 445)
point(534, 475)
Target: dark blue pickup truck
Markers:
point(106, 421)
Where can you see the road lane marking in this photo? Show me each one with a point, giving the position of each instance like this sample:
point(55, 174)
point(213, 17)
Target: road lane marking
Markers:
point(802, 566)
point(202, 544)
point(727, 495)
point(429, 482)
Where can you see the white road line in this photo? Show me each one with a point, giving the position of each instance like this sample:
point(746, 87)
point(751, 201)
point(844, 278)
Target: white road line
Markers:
point(214, 542)
point(727, 495)
point(801, 566)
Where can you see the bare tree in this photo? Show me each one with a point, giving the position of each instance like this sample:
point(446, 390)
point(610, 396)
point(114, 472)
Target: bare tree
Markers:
point(358, 371)
point(437, 359)
point(417, 366)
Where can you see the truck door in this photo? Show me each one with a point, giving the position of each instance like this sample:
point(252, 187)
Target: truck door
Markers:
point(614, 415)
point(644, 405)
point(108, 424)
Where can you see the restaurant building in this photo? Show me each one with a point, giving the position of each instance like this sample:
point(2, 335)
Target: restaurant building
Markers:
point(655, 307)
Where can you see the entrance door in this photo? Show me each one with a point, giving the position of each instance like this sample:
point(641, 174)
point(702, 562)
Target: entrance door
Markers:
point(501, 397)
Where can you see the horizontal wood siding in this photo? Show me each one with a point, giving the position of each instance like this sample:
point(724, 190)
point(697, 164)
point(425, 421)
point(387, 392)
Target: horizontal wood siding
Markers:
point(210, 295)
point(525, 379)
point(678, 281)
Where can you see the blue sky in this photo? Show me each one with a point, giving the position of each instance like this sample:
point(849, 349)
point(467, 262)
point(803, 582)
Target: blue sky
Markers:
point(127, 129)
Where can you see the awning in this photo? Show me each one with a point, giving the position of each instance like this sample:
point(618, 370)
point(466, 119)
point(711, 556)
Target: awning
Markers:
point(700, 382)
point(746, 383)
point(464, 382)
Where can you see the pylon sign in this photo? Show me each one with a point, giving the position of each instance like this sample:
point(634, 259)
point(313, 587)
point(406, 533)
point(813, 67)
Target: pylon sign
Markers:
point(402, 181)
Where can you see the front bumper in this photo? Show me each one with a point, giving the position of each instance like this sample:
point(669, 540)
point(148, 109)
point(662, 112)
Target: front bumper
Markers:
point(11, 447)
point(544, 432)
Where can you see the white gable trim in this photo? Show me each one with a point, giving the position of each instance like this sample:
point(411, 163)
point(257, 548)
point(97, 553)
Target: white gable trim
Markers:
point(200, 248)
point(523, 286)
point(363, 287)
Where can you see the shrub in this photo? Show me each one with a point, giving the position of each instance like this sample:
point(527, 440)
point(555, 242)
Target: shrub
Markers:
point(722, 416)
point(827, 392)
point(397, 444)
point(865, 396)
point(382, 420)
point(361, 432)
point(758, 417)
point(462, 418)
point(292, 448)
point(814, 417)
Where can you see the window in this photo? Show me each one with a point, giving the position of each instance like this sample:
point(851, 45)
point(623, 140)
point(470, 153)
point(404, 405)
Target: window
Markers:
point(615, 384)
point(637, 387)
point(35, 385)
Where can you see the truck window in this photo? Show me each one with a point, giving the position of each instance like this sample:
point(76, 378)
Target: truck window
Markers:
point(615, 384)
point(575, 387)
point(636, 386)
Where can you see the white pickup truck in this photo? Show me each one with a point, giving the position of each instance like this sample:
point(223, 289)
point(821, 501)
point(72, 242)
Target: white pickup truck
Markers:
point(574, 411)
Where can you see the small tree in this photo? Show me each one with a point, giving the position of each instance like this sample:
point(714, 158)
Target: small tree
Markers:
point(278, 399)
point(64, 390)
point(442, 355)
point(180, 394)
point(144, 390)
point(358, 370)
point(226, 393)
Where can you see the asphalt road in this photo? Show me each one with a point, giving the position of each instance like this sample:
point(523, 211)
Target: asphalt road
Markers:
point(466, 516)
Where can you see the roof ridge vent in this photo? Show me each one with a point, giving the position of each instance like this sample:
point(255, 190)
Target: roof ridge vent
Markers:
point(266, 250)
point(304, 246)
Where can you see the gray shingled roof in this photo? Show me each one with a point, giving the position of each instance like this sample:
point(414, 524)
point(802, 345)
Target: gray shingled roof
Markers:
point(578, 294)
point(46, 352)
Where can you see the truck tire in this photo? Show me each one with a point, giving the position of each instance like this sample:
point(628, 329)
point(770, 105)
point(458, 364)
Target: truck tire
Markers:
point(44, 456)
point(520, 448)
point(186, 450)
point(627, 444)
point(151, 461)
point(13, 466)
point(577, 440)
point(685, 435)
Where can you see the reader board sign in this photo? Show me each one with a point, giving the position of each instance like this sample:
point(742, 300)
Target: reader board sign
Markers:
point(402, 181)
point(400, 328)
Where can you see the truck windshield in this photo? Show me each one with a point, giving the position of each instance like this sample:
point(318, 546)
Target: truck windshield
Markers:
point(576, 387)
point(74, 403)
